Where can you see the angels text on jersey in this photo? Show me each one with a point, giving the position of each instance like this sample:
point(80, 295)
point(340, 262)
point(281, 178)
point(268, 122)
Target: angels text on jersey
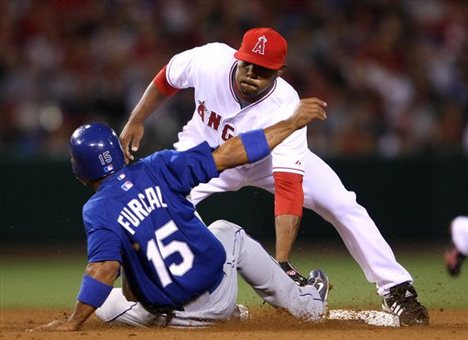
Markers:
point(213, 120)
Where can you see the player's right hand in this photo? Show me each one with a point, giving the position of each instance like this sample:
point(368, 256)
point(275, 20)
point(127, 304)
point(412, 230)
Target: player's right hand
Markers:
point(130, 138)
point(308, 110)
point(56, 325)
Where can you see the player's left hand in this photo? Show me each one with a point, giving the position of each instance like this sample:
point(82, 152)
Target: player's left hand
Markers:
point(56, 325)
point(453, 261)
point(293, 273)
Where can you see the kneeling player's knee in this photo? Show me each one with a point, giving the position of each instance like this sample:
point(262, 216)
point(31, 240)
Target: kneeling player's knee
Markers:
point(346, 202)
point(340, 206)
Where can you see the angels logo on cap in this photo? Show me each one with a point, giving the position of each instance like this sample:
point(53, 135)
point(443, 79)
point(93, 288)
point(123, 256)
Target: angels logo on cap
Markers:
point(260, 45)
point(264, 47)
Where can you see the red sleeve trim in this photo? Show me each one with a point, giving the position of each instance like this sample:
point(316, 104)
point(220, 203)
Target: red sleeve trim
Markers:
point(161, 83)
point(289, 195)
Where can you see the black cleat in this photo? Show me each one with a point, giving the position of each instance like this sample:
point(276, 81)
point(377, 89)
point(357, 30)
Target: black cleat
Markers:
point(402, 302)
point(293, 273)
point(319, 280)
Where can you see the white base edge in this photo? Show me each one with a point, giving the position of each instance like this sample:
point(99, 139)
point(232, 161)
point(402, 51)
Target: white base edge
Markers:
point(370, 317)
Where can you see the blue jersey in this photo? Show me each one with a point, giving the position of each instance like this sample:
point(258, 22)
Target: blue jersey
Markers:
point(140, 217)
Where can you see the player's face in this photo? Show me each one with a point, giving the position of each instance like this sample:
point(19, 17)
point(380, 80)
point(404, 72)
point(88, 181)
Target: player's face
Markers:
point(253, 79)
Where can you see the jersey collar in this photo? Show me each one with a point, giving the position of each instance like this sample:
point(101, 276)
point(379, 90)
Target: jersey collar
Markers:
point(235, 92)
point(120, 175)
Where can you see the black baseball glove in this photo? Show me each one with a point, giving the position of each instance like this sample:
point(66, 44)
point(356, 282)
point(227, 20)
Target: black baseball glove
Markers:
point(293, 273)
point(454, 260)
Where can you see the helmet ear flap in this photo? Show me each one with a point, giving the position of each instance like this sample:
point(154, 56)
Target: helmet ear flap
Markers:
point(78, 178)
point(95, 152)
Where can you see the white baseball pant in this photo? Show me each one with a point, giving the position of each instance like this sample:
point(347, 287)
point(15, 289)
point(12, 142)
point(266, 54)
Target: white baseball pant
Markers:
point(244, 255)
point(326, 195)
point(459, 230)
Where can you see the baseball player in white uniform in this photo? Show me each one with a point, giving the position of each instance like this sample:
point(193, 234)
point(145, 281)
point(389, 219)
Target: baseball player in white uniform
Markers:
point(237, 91)
point(455, 256)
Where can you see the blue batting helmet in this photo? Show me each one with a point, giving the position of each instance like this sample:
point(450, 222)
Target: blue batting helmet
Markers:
point(95, 151)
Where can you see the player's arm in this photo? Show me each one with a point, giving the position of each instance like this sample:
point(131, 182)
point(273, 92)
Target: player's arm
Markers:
point(252, 146)
point(289, 200)
point(289, 196)
point(155, 94)
point(96, 286)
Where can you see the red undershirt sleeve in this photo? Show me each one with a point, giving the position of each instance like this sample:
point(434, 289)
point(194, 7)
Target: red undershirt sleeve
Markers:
point(289, 195)
point(161, 83)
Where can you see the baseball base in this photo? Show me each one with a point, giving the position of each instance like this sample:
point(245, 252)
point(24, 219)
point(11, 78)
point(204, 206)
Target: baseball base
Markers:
point(370, 317)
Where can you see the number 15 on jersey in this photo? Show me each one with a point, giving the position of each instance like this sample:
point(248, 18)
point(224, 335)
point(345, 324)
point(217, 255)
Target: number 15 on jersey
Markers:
point(157, 251)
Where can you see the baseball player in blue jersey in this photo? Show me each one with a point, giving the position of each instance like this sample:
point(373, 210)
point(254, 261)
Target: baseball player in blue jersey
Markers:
point(175, 270)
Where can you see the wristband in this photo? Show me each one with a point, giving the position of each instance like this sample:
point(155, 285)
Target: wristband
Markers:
point(255, 144)
point(93, 292)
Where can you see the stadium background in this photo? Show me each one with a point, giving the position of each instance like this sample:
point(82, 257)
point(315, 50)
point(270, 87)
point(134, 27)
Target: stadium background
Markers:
point(394, 73)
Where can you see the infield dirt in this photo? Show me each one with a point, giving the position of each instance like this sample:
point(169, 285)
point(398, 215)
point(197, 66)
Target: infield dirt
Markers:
point(263, 324)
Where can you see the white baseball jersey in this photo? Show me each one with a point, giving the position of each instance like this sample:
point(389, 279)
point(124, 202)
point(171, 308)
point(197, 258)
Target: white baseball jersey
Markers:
point(218, 115)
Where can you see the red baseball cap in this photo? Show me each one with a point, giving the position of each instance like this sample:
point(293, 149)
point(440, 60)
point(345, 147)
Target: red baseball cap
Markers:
point(263, 46)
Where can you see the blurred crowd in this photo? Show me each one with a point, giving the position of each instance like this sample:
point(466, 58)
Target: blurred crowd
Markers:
point(394, 73)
